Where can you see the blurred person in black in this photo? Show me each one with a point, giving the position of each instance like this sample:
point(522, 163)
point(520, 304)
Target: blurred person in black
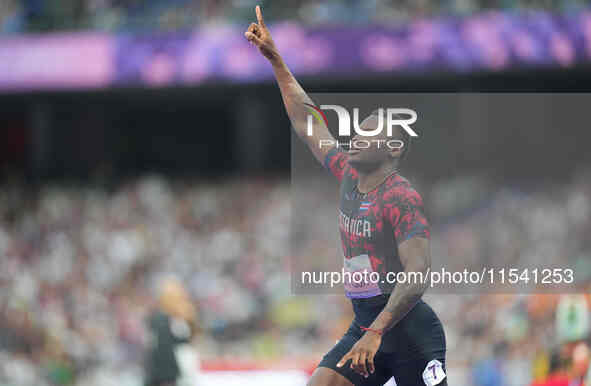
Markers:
point(171, 325)
point(383, 230)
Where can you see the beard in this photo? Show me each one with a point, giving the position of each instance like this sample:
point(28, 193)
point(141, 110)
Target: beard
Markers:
point(365, 166)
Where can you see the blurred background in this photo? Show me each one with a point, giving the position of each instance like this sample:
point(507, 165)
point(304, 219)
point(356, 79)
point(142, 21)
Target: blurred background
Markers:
point(145, 185)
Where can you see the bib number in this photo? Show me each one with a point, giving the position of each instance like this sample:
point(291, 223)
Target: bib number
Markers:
point(360, 280)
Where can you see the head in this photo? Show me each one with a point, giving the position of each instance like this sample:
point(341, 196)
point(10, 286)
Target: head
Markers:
point(370, 153)
point(174, 299)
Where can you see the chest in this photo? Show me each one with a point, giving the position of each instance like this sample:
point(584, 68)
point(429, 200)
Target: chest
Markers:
point(360, 216)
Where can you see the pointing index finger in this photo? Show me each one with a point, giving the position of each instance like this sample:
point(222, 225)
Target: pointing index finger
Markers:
point(260, 16)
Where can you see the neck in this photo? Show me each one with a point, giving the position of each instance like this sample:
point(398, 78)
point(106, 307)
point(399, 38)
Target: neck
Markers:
point(370, 180)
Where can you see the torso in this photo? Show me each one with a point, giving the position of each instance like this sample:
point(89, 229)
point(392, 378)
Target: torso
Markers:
point(372, 226)
point(367, 236)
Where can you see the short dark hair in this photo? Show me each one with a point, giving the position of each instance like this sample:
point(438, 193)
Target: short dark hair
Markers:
point(406, 138)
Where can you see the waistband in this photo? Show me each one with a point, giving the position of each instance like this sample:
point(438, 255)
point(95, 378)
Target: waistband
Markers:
point(372, 301)
point(367, 309)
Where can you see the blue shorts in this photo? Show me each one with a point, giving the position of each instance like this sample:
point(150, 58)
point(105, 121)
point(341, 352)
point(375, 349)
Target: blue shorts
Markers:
point(413, 352)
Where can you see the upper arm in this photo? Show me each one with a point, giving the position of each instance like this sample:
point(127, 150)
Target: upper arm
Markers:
point(307, 120)
point(411, 228)
point(312, 127)
point(321, 143)
point(415, 254)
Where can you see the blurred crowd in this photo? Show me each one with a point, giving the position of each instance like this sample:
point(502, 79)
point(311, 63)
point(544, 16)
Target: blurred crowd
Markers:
point(18, 16)
point(81, 267)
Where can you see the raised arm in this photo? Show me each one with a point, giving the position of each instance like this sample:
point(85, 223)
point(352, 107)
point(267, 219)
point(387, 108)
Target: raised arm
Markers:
point(296, 101)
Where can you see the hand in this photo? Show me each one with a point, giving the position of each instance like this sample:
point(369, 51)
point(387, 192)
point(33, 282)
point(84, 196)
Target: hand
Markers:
point(363, 351)
point(259, 35)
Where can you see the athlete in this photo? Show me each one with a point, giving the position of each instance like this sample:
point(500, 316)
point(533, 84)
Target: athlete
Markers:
point(171, 328)
point(383, 230)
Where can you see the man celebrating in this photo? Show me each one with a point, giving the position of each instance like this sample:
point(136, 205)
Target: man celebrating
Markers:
point(394, 333)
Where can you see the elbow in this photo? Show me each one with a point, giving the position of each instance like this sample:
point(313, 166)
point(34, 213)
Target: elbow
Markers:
point(423, 272)
point(422, 265)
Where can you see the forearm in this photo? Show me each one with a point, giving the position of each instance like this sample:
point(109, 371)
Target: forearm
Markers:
point(404, 297)
point(296, 100)
point(294, 96)
point(292, 93)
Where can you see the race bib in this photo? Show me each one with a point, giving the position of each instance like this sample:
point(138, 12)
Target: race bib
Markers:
point(360, 280)
point(433, 374)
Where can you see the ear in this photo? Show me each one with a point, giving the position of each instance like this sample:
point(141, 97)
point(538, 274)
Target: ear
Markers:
point(395, 152)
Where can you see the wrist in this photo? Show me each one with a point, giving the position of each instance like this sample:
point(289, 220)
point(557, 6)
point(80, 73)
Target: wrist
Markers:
point(275, 59)
point(373, 331)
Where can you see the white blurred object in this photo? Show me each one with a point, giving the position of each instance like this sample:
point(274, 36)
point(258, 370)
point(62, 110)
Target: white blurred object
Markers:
point(188, 362)
point(572, 318)
point(253, 378)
